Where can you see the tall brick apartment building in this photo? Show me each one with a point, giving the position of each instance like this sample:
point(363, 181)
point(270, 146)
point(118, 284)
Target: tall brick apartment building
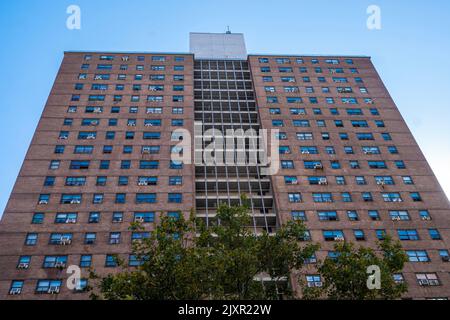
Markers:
point(101, 158)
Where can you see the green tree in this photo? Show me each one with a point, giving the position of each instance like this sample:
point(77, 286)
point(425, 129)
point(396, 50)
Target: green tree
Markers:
point(345, 277)
point(184, 259)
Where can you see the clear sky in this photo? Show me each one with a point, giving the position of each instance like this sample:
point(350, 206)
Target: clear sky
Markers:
point(411, 52)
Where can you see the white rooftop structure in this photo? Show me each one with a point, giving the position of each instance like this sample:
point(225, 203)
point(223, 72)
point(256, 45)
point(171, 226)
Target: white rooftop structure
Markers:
point(217, 45)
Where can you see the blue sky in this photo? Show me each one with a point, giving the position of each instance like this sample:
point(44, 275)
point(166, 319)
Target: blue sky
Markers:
point(411, 52)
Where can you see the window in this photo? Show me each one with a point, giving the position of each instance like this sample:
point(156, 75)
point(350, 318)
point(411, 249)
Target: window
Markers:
point(407, 234)
point(417, 256)
point(352, 215)
point(97, 198)
point(398, 278)
point(147, 217)
point(146, 198)
point(434, 234)
point(298, 215)
point(54, 164)
point(400, 164)
point(83, 149)
point(48, 286)
point(104, 164)
point(287, 164)
point(327, 215)
point(24, 262)
point(359, 235)
point(71, 198)
point(110, 261)
point(313, 281)
point(120, 198)
point(424, 215)
point(59, 149)
point(66, 218)
point(175, 181)
point(377, 164)
point(138, 236)
point(44, 199)
point(380, 234)
point(333, 235)
point(374, 215)
point(290, 180)
point(117, 217)
point(415, 196)
point(145, 164)
point(322, 197)
point(31, 239)
point(427, 279)
point(294, 197)
point(407, 180)
point(75, 181)
point(399, 215)
point(114, 238)
point(90, 237)
point(38, 218)
point(444, 255)
point(175, 198)
point(125, 164)
point(49, 181)
point(391, 197)
point(55, 262)
point(135, 261)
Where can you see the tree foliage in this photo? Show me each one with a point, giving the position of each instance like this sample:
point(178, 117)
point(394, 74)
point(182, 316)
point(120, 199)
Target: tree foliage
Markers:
point(345, 276)
point(184, 259)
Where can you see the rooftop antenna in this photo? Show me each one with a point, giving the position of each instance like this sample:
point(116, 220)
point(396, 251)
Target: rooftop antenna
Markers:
point(228, 30)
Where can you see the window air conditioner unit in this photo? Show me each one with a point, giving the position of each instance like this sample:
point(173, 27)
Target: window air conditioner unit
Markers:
point(43, 202)
point(132, 124)
point(423, 282)
point(433, 282)
point(71, 221)
point(141, 220)
point(149, 125)
point(339, 238)
point(15, 291)
point(305, 152)
point(23, 265)
point(145, 150)
point(65, 241)
point(396, 219)
point(63, 137)
point(142, 183)
point(318, 166)
point(90, 137)
point(380, 182)
point(60, 265)
point(426, 218)
point(98, 78)
point(323, 181)
point(53, 290)
point(97, 110)
point(75, 201)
